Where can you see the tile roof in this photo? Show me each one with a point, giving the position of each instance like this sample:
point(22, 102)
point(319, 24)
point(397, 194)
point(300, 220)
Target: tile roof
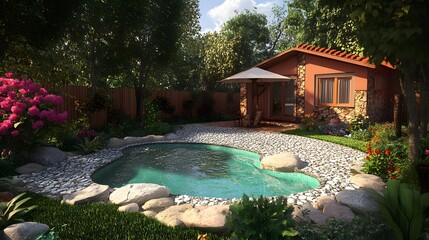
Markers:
point(327, 53)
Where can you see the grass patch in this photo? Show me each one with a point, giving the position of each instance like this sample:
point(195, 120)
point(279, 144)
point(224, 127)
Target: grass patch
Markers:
point(103, 221)
point(348, 142)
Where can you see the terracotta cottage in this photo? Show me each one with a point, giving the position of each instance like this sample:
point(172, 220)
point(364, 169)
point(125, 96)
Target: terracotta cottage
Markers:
point(326, 82)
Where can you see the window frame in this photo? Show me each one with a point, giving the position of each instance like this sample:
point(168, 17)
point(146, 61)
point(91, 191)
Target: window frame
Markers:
point(336, 78)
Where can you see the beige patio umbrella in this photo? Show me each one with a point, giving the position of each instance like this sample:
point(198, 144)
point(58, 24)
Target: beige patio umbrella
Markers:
point(254, 75)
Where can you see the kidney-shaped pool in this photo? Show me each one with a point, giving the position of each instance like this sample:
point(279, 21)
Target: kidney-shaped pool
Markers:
point(201, 170)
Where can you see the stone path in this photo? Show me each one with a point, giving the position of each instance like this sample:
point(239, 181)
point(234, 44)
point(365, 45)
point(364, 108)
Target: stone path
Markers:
point(330, 163)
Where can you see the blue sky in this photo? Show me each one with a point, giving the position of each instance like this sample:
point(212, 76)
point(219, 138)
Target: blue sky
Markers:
point(216, 12)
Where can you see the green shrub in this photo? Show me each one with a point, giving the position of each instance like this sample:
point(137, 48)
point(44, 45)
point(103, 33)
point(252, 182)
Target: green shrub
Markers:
point(386, 162)
point(361, 228)
point(382, 134)
point(308, 122)
point(360, 122)
point(88, 145)
point(12, 212)
point(261, 219)
point(402, 209)
point(163, 105)
point(362, 135)
point(104, 221)
point(152, 124)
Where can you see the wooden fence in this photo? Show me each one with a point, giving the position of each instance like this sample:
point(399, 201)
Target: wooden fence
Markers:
point(123, 99)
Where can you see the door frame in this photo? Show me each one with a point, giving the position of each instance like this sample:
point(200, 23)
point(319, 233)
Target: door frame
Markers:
point(283, 116)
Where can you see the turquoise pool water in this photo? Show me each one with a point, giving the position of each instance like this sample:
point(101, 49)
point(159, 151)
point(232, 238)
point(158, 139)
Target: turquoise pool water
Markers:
point(201, 170)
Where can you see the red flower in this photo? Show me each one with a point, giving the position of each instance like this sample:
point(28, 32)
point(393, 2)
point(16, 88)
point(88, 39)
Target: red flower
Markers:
point(427, 152)
point(387, 152)
point(389, 170)
point(396, 168)
point(368, 149)
point(377, 151)
point(393, 177)
point(367, 158)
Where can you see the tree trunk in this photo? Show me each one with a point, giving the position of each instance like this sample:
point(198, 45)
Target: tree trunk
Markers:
point(397, 115)
point(424, 99)
point(408, 90)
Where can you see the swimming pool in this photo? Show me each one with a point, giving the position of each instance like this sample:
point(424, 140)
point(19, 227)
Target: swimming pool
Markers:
point(201, 170)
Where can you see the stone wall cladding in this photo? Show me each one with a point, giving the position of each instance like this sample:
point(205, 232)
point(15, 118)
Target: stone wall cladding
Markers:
point(343, 113)
point(300, 86)
point(243, 99)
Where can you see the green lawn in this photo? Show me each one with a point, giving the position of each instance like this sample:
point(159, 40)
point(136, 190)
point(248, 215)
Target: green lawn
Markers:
point(348, 142)
point(103, 221)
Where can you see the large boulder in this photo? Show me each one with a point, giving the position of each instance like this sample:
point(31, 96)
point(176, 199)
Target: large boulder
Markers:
point(368, 181)
point(138, 193)
point(158, 204)
point(29, 168)
point(338, 211)
point(171, 215)
point(360, 201)
point(47, 156)
point(93, 193)
point(26, 230)
point(208, 218)
point(282, 162)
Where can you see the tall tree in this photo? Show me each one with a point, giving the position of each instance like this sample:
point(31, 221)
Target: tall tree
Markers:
point(150, 33)
point(397, 31)
point(307, 21)
point(251, 31)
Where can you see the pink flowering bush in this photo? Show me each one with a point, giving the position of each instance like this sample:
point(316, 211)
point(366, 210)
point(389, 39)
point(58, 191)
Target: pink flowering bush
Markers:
point(25, 108)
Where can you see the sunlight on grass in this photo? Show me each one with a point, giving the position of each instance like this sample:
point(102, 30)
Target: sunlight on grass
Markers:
point(348, 142)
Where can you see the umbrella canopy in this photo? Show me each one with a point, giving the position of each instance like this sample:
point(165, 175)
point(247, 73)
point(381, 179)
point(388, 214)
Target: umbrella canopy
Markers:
point(254, 74)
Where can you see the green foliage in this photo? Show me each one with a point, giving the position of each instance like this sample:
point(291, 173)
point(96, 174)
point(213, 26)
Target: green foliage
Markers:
point(51, 235)
point(402, 208)
point(385, 162)
point(362, 135)
point(87, 145)
point(103, 221)
point(12, 212)
point(382, 134)
point(152, 124)
point(360, 122)
point(163, 104)
point(309, 122)
point(348, 142)
point(361, 228)
point(261, 219)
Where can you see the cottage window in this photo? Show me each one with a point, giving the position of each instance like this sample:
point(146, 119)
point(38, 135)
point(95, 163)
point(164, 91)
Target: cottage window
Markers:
point(334, 91)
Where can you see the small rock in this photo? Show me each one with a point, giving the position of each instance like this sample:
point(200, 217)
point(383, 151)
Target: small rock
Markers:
point(25, 230)
point(368, 181)
point(160, 203)
point(322, 201)
point(150, 213)
point(29, 168)
point(131, 207)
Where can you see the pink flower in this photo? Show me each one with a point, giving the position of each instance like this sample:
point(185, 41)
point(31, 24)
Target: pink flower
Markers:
point(427, 152)
point(56, 100)
point(37, 124)
point(45, 113)
point(62, 117)
point(23, 91)
point(11, 94)
point(13, 117)
point(17, 110)
point(43, 91)
point(33, 111)
point(9, 74)
point(15, 133)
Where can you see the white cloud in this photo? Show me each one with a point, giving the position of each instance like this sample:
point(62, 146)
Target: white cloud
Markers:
point(229, 8)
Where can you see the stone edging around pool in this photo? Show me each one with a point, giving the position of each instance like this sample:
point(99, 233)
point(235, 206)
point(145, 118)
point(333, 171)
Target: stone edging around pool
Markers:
point(331, 163)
